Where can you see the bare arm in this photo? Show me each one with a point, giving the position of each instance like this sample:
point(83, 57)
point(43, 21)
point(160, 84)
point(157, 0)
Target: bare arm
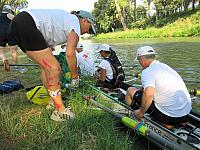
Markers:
point(103, 74)
point(72, 41)
point(147, 99)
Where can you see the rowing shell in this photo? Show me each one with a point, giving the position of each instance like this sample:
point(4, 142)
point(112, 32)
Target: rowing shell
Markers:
point(178, 138)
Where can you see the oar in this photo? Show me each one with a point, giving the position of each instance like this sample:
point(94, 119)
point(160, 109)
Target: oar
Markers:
point(7, 65)
point(112, 98)
point(21, 65)
point(137, 126)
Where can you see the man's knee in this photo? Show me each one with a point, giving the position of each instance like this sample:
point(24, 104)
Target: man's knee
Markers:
point(131, 91)
point(54, 69)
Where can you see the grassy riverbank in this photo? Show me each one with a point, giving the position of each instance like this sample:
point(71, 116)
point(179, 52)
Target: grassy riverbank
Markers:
point(181, 26)
point(28, 126)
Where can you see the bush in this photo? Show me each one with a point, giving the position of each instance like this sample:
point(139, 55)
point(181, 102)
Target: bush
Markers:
point(141, 24)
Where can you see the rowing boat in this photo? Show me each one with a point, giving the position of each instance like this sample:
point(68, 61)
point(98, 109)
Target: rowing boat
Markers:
point(178, 138)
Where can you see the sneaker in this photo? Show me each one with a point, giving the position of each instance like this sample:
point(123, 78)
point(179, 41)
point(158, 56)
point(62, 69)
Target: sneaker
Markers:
point(62, 116)
point(50, 105)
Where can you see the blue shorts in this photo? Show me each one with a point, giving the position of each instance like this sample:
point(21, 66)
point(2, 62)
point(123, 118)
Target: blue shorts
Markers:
point(5, 37)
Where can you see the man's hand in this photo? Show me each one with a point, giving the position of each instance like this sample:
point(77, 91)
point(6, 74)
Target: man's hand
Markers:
point(139, 114)
point(75, 83)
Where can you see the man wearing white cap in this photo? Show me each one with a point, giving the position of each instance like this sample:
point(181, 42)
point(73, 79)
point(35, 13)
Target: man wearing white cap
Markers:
point(164, 94)
point(37, 30)
point(5, 18)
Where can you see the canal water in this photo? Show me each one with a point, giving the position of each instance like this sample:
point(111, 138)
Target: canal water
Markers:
point(182, 54)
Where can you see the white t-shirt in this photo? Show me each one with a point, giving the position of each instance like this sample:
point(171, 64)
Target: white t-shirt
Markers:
point(106, 65)
point(55, 24)
point(85, 63)
point(171, 96)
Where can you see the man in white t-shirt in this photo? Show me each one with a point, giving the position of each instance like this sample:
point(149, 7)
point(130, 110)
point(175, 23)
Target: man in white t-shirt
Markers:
point(84, 62)
point(36, 30)
point(164, 94)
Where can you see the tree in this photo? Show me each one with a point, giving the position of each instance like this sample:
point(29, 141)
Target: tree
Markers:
point(105, 16)
point(15, 4)
point(121, 17)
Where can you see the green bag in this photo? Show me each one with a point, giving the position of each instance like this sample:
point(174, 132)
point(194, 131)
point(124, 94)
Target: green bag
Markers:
point(38, 95)
point(66, 75)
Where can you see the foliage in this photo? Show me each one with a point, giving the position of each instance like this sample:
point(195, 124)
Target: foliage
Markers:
point(109, 18)
point(15, 4)
point(141, 24)
point(105, 21)
point(123, 3)
point(187, 25)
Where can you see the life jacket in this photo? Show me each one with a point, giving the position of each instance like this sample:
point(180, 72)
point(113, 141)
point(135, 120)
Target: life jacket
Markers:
point(118, 72)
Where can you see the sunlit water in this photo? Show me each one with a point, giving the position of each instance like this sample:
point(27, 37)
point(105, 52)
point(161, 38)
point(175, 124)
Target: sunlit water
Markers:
point(182, 54)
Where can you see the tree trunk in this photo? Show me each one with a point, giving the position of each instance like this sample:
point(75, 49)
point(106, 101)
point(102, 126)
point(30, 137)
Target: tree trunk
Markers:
point(148, 7)
point(134, 13)
point(193, 4)
point(157, 15)
point(119, 11)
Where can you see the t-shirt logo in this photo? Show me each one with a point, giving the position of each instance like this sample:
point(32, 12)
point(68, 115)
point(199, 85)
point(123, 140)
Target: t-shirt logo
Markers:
point(85, 56)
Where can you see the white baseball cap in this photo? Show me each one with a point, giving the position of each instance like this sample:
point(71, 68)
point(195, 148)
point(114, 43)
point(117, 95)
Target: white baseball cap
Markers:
point(145, 50)
point(104, 47)
point(79, 45)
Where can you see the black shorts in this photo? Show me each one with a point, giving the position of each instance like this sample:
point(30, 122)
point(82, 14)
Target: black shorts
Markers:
point(156, 114)
point(5, 37)
point(26, 34)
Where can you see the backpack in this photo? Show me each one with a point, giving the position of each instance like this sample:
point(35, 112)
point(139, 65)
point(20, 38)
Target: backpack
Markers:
point(10, 86)
point(38, 95)
point(118, 72)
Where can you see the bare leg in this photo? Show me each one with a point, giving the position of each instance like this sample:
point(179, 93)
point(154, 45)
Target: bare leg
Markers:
point(129, 95)
point(2, 53)
point(50, 74)
point(43, 78)
point(14, 54)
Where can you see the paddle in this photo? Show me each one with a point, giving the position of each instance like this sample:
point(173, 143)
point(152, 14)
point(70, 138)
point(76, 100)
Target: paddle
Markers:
point(138, 127)
point(21, 65)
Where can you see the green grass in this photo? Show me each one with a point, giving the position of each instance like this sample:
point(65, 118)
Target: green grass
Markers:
point(24, 125)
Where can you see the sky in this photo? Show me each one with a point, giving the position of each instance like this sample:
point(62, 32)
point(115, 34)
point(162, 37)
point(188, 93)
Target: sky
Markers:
point(67, 5)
